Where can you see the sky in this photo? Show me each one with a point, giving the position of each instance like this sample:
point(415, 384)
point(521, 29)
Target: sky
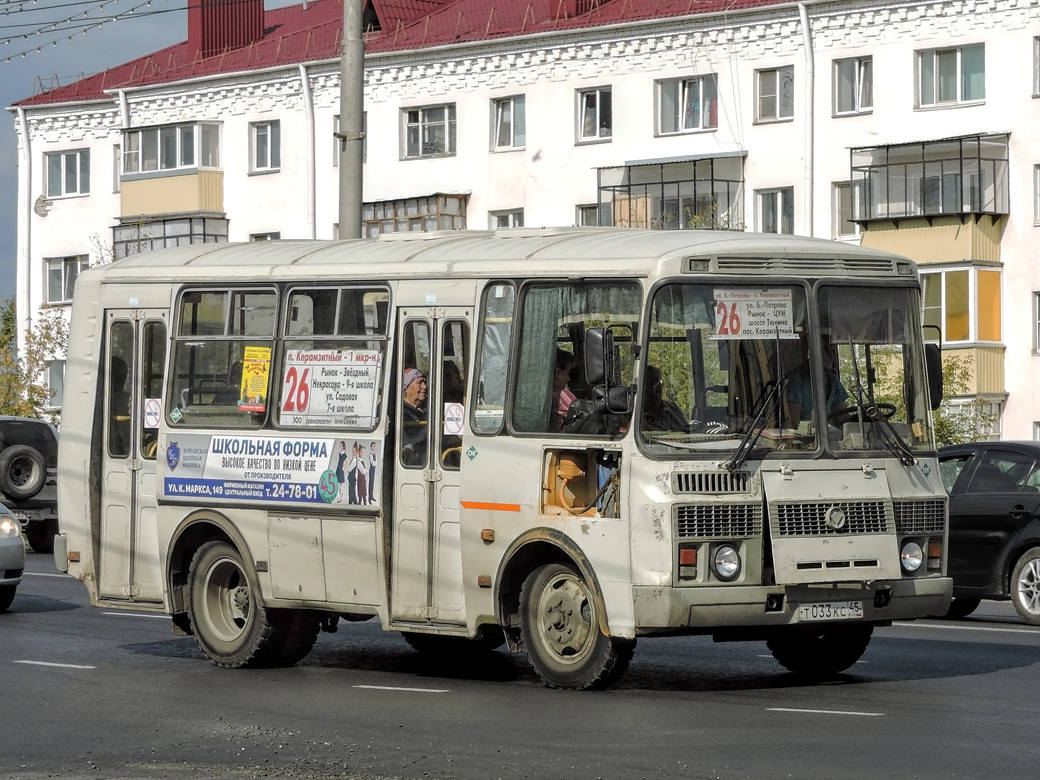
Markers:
point(103, 33)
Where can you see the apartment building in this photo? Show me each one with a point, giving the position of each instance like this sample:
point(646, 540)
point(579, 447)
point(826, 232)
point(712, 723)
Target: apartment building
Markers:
point(901, 125)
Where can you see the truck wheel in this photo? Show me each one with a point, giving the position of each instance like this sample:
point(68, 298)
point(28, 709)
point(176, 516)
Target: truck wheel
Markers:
point(40, 534)
point(23, 471)
point(821, 652)
point(1025, 586)
point(229, 624)
point(6, 596)
point(561, 632)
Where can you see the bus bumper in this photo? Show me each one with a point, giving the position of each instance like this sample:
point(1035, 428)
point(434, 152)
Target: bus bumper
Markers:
point(662, 609)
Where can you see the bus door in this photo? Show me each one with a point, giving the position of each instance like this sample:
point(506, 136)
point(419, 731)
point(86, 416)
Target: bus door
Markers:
point(133, 363)
point(426, 556)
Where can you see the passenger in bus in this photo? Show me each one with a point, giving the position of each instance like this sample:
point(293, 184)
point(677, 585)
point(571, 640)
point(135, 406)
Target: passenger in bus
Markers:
point(562, 395)
point(659, 413)
point(798, 390)
point(413, 436)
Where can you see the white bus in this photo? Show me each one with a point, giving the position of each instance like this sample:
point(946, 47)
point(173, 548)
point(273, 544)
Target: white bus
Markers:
point(561, 440)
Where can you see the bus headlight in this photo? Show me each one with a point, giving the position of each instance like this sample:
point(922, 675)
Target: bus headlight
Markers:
point(725, 562)
point(911, 557)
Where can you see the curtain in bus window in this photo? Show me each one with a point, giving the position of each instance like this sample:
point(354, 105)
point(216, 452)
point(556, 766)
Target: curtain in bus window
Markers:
point(864, 318)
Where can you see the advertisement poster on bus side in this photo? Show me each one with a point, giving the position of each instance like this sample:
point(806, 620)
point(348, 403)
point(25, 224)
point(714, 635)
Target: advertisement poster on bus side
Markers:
point(276, 469)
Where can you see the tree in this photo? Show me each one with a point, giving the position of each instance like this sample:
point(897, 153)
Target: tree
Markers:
point(24, 391)
point(962, 422)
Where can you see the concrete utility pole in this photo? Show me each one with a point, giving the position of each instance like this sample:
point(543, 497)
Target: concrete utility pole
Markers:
point(351, 112)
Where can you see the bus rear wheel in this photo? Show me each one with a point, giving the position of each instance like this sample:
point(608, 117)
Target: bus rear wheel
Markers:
point(821, 652)
point(561, 632)
point(230, 625)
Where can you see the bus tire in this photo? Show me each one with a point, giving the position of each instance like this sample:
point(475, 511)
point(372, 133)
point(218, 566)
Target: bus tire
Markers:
point(23, 471)
point(41, 535)
point(229, 624)
point(819, 652)
point(561, 632)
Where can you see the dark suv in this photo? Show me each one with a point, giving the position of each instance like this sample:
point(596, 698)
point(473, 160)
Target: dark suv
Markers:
point(28, 477)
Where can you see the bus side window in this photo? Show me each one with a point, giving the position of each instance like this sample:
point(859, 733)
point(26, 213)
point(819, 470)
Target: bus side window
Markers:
point(455, 353)
point(414, 399)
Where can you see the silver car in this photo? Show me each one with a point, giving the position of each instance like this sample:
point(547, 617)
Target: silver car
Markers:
point(12, 556)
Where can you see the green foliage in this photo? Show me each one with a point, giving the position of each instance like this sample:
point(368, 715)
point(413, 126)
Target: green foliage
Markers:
point(955, 424)
point(23, 382)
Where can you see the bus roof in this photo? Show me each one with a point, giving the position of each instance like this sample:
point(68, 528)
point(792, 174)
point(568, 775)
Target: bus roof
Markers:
point(552, 252)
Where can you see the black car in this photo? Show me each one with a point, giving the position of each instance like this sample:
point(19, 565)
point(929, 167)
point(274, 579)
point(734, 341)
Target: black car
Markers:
point(994, 549)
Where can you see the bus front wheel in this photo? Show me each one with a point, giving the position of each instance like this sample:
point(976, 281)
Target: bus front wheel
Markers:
point(820, 653)
point(230, 625)
point(561, 632)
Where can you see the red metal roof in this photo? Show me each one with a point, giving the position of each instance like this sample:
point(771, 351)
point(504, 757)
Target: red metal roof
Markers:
point(293, 35)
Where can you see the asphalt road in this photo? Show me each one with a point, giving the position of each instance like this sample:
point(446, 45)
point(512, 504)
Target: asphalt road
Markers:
point(92, 693)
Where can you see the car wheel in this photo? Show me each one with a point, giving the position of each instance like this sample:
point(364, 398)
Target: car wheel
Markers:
point(6, 596)
point(23, 471)
point(1025, 586)
point(961, 608)
point(561, 631)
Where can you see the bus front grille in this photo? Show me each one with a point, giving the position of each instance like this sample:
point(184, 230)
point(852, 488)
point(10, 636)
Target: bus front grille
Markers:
point(711, 482)
point(920, 517)
point(718, 521)
point(827, 518)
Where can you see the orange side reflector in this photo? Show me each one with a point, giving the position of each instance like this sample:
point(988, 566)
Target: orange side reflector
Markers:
point(688, 556)
point(487, 534)
point(74, 557)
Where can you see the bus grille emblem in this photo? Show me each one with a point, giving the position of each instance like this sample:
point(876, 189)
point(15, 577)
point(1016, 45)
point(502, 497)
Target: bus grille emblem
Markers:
point(835, 518)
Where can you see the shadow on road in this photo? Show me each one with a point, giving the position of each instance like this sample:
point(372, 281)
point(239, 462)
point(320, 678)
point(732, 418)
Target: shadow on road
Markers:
point(32, 603)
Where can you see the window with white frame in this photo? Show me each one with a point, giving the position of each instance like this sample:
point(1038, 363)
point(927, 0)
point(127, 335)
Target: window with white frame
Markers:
point(266, 141)
point(338, 142)
point(55, 383)
point(1036, 66)
point(429, 131)
point(62, 273)
point(117, 160)
point(1036, 431)
point(272, 236)
point(776, 210)
point(1036, 194)
point(1036, 322)
point(509, 123)
point(963, 302)
point(951, 76)
point(587, 215)
point(595, 114)
point(687, 105)
point(774, 89)
point(171, 148)
point(68, 173)
point(503, 220)
point(853, 85)
point(844, 208)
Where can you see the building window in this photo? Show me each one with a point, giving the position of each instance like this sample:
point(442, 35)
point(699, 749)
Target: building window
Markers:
point(68, 173)
point(503, 220)
point(62, 273)
point(964, 303)
point(775, 98)
point(776, 210)
point(55, 383)
point(509, 118)
point(429, 131)
point(1036, 67)
point(1036, 431)
point(687, 105)
point(134, 237)
point(266, 140)
point(415, 215)
point(595, 114)
point(337, 142)
point(949, 76)
point(171, 148)
point(1036, 322)
point(853, 85)
point(274, 236)
point(587, 215)
point(844, 227)
point(1036, 194)
point(117, 157)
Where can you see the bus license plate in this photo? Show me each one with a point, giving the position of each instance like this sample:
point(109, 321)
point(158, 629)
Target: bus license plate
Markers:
point(830, 610)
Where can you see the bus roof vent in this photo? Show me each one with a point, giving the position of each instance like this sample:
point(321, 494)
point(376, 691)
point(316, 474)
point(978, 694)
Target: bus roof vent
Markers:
point(805, 266)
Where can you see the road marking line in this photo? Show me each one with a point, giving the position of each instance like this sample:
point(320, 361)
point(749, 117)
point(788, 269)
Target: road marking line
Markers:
point(135, 614)
point(394, 688)
point(826, 712)
point(1032, 631)
point(63, 666)
point(43, 574)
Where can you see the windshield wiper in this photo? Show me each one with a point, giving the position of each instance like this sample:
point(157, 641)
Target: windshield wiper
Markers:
point(767, 403)
point(870, 410)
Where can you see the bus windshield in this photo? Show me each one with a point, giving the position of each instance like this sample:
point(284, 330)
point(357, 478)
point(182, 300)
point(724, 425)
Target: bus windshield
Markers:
point(731, 366)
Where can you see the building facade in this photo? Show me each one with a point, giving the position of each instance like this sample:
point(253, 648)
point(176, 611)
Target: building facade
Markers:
point(899, 125)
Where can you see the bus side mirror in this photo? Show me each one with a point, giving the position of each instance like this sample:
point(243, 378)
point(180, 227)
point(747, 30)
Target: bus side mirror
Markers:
point(599, 355)
point(933, 360)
